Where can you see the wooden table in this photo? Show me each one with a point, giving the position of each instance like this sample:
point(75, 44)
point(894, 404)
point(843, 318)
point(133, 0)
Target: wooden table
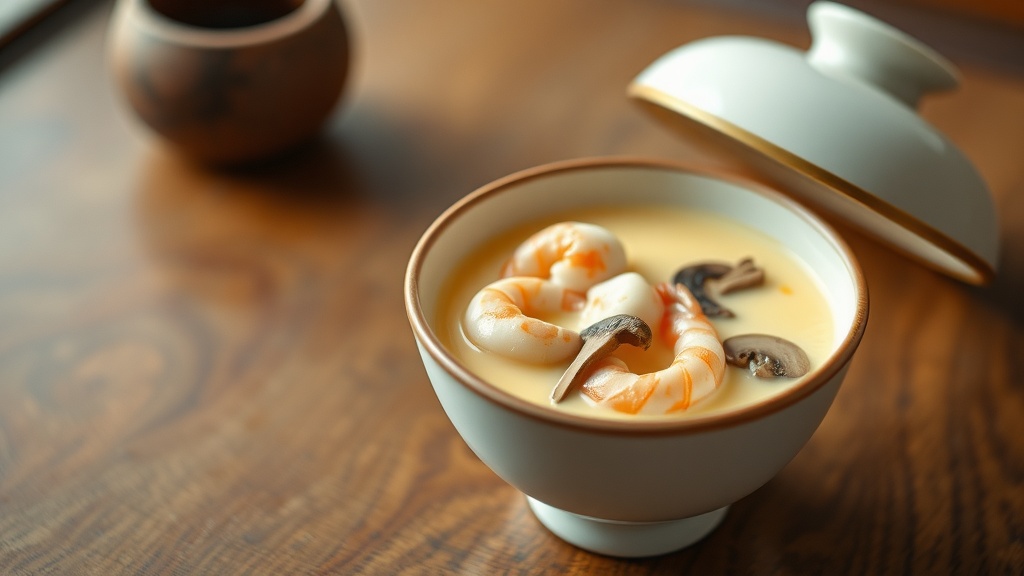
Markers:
point(209, 372)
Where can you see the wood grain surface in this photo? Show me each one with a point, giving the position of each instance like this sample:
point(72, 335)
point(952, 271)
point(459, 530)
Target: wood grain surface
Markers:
point(211, 371)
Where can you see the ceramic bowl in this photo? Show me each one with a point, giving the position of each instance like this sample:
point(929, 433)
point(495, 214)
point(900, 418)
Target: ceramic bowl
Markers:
point(630, 488)
point(230, 81)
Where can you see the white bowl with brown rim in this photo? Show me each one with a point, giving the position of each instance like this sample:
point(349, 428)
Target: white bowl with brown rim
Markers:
point(621, 487)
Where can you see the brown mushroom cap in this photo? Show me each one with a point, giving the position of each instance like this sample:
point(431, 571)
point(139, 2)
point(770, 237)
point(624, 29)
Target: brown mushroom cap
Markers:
point(766, 356)
point(695, 276)
point(624, 328)
point(599, 340)
point(706, 279)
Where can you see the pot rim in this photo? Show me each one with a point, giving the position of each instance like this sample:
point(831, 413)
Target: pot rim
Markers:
point(160, 25)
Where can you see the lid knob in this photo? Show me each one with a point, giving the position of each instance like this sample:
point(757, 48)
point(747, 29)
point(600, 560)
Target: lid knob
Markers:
point(850, 44)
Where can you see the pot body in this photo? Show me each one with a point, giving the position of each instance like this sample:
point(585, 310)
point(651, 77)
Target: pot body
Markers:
point(230, 94)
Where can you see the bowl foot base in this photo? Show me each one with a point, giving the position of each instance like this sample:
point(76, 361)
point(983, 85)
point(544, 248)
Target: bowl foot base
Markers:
point(626, 539)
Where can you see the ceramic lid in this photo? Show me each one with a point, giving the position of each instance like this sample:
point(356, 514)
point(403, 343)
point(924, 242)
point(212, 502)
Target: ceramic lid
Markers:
point(837, 127)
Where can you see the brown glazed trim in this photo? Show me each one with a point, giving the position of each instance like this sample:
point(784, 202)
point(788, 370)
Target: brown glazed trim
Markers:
point(983, 271)
point(813, 382)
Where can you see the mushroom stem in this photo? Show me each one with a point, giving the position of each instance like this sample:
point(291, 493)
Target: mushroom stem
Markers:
point(599, 340)
point(708, 279)
point(744, 275)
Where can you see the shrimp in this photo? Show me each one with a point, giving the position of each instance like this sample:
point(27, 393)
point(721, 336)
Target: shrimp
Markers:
point(627, 293)
point(500, 319)
point(696, 371)
point(575, 255)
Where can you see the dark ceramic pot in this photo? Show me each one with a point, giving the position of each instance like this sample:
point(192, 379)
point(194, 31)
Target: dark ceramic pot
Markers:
point(230, 81)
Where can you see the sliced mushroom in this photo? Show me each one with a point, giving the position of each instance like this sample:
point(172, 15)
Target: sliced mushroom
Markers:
point(599, 340)
point(695, 276)
point(707, 280)
point(766, 356)
point(745, 274)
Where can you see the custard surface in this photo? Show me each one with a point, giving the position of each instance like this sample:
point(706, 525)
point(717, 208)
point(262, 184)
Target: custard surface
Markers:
point(658, 242)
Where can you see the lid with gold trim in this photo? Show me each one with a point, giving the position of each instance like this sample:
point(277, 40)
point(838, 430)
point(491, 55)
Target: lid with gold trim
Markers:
point(836, 127)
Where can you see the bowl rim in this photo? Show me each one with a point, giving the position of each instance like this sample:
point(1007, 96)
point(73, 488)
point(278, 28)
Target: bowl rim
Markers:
point(836, 362)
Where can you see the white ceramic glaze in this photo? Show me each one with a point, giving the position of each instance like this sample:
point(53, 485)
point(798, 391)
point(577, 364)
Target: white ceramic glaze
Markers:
point(626, 539)
point(837, 127)
point(595, 479)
